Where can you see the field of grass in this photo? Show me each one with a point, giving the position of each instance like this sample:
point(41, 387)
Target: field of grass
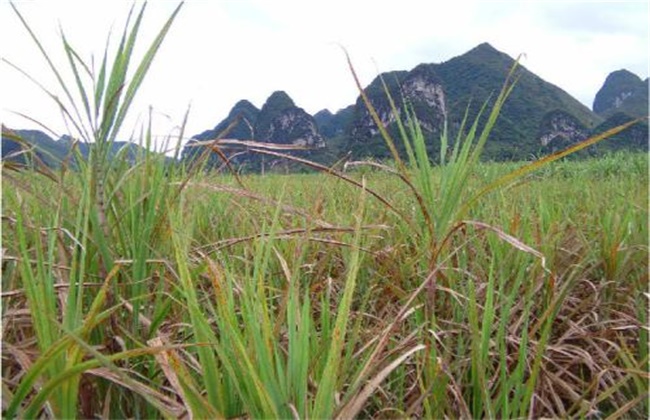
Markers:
point(305, 296)
point(450, 290)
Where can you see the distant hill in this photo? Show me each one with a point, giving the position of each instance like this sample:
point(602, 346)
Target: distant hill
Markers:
point(634, 138)
point(239, 124)
point(538, 117)
point(241, 121)
point(334, 125)
point(279, 121)
point(34, 141)
point(622, 98)
point(623, 92)
point(446, 90)
point(53, 152)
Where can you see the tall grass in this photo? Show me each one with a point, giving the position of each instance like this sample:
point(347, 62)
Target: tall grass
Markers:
point(443, 287)
point(114, 216)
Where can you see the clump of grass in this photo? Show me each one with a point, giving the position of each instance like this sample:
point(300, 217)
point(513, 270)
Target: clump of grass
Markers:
point(102, 231)
point(497, 389)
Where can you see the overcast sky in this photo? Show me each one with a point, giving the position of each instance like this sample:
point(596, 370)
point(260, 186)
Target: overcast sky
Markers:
point(219, 52)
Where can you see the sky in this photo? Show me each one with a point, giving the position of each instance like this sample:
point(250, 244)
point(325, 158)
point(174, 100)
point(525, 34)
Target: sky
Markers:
point(218, 52)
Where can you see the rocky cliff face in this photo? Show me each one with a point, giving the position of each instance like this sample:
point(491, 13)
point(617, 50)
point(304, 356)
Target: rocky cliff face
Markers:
point(420, 91)
point(624, 92)
point(559, 130)
point(424, 91)
point(363, 126)
point(280, 121)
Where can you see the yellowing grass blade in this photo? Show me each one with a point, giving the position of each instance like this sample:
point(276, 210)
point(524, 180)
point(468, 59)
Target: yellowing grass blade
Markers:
point(373, 113)
point(353, 408)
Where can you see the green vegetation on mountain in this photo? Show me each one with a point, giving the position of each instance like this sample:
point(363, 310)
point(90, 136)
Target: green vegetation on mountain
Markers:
point(238, 124)
point(623, 92)
point(334, 125)
point(22, 146)
point(468, 81)
point(634, 138)
point(479, 74)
